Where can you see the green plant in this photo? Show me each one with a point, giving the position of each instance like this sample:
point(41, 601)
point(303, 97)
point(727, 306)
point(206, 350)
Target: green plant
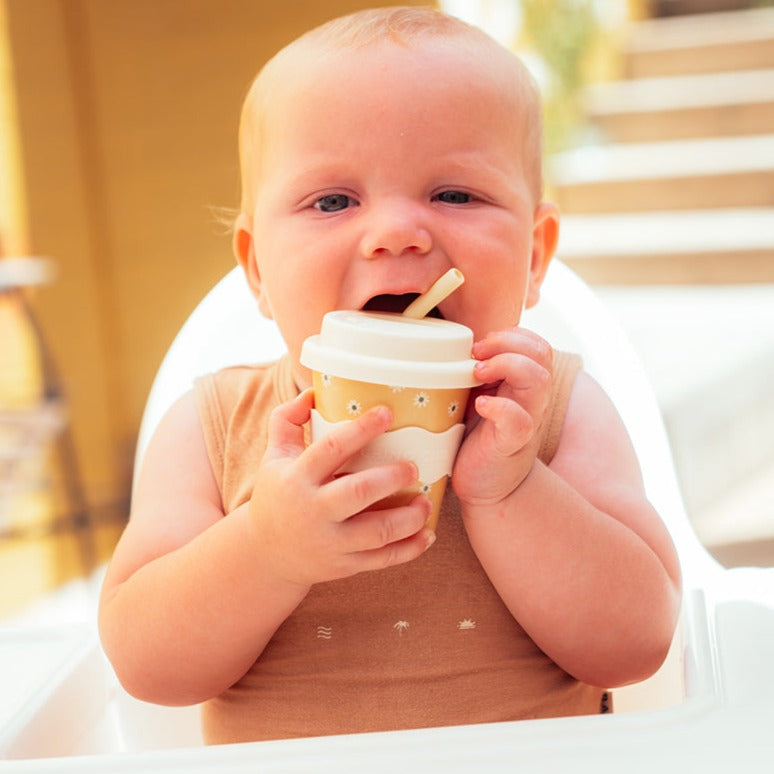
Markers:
point(563, 34)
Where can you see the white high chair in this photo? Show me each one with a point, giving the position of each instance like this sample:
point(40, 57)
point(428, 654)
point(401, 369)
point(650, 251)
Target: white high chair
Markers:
point(710, 706)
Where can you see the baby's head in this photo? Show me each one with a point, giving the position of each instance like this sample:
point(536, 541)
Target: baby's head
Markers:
point(378, 151)
point(406, 27)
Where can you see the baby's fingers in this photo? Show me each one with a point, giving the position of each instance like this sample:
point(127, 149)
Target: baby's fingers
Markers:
point(355, 492)
point(326, 455)
point(285, 431)
point(375, 529)
point(518, 378)
point(518, 341)
point(510, 425)
point(399, 552)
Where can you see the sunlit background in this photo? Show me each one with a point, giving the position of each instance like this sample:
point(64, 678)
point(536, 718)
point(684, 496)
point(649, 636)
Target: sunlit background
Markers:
point(117, 152)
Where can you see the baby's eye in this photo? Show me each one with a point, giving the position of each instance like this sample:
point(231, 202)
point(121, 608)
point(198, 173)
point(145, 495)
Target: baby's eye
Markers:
point(334, 202)
point(453, 197)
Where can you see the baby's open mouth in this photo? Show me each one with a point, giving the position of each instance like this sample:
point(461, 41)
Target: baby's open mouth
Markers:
point(388, 302)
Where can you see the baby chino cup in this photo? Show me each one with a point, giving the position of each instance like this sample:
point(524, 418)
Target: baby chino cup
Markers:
point(420, 368)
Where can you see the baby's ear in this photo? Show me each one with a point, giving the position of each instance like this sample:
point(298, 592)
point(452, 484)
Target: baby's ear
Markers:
point(545, 236)
point(244, 250)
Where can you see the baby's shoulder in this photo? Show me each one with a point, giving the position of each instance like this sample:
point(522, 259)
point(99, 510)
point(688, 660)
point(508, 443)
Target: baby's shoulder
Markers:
point(238, 386)
point(592, 423)
point(236, 378)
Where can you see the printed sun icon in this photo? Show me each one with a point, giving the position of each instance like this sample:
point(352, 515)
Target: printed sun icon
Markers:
point(354, 408)
point(421, 400)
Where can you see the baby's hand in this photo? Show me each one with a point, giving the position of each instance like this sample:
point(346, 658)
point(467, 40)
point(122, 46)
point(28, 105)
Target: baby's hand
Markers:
point(315, 526)
point(502, 442)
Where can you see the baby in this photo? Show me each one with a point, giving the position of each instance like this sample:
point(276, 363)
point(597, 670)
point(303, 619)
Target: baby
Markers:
point(378, 151)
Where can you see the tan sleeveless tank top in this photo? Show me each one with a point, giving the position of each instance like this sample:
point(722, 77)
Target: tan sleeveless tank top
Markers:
point(428, 643)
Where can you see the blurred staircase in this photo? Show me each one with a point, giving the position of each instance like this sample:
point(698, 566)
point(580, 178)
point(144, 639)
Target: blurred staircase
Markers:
point(670, 213)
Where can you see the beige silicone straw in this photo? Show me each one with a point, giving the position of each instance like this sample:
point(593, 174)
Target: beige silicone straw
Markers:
point(442, 287)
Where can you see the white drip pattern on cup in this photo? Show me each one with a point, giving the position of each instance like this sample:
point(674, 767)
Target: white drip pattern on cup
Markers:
point(432, 453)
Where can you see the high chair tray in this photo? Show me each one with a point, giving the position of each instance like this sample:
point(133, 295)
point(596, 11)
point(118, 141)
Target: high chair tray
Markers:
point(61, 710)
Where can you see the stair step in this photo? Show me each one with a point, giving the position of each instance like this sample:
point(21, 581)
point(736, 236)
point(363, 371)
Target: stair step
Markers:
point(683, 7)
point(678, 174)
point(722, 430)
point(689, 247)
point(743, 515)
point(758, 552)
point(654, 207)
point(709, 353)
point(679, 107)
point(701, 43)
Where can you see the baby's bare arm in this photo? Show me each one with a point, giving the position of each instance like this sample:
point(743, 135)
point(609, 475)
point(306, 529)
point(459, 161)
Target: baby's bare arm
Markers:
point(578, 554)
point(191, 598)
point(173, 608)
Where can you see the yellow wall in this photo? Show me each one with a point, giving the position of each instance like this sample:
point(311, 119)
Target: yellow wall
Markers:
point(12, 199)
point(127, 113)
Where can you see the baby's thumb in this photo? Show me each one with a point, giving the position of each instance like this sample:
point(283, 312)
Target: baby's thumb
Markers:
point(508, 424)
point(286, 423)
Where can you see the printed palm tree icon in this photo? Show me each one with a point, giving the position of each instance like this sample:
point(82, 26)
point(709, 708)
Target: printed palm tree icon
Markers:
point(400, 626)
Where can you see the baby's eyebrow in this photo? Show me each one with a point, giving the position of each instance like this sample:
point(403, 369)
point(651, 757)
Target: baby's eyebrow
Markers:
point(473, 163)
point(314, 170)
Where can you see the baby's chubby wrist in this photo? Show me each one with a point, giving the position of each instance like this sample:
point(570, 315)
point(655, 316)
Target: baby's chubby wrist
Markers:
point(267, 562)
point(496, 505)
point(485, 509)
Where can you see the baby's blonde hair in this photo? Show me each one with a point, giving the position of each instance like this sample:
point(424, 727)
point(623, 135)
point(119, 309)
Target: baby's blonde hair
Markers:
point(402, 26)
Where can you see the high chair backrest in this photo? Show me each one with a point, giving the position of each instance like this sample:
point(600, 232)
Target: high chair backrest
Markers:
point(225, 329)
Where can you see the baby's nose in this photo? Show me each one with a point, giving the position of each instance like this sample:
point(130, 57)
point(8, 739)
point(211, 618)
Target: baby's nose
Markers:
point(395, 230)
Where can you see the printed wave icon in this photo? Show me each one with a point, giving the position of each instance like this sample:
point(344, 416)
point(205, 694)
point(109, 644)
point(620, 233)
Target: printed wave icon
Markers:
point(324, 632)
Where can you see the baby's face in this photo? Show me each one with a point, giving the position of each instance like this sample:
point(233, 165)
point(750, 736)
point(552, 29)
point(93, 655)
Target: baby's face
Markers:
point(382, 170)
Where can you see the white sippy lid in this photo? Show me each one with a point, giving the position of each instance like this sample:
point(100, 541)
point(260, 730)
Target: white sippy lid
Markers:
point(387, 348)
